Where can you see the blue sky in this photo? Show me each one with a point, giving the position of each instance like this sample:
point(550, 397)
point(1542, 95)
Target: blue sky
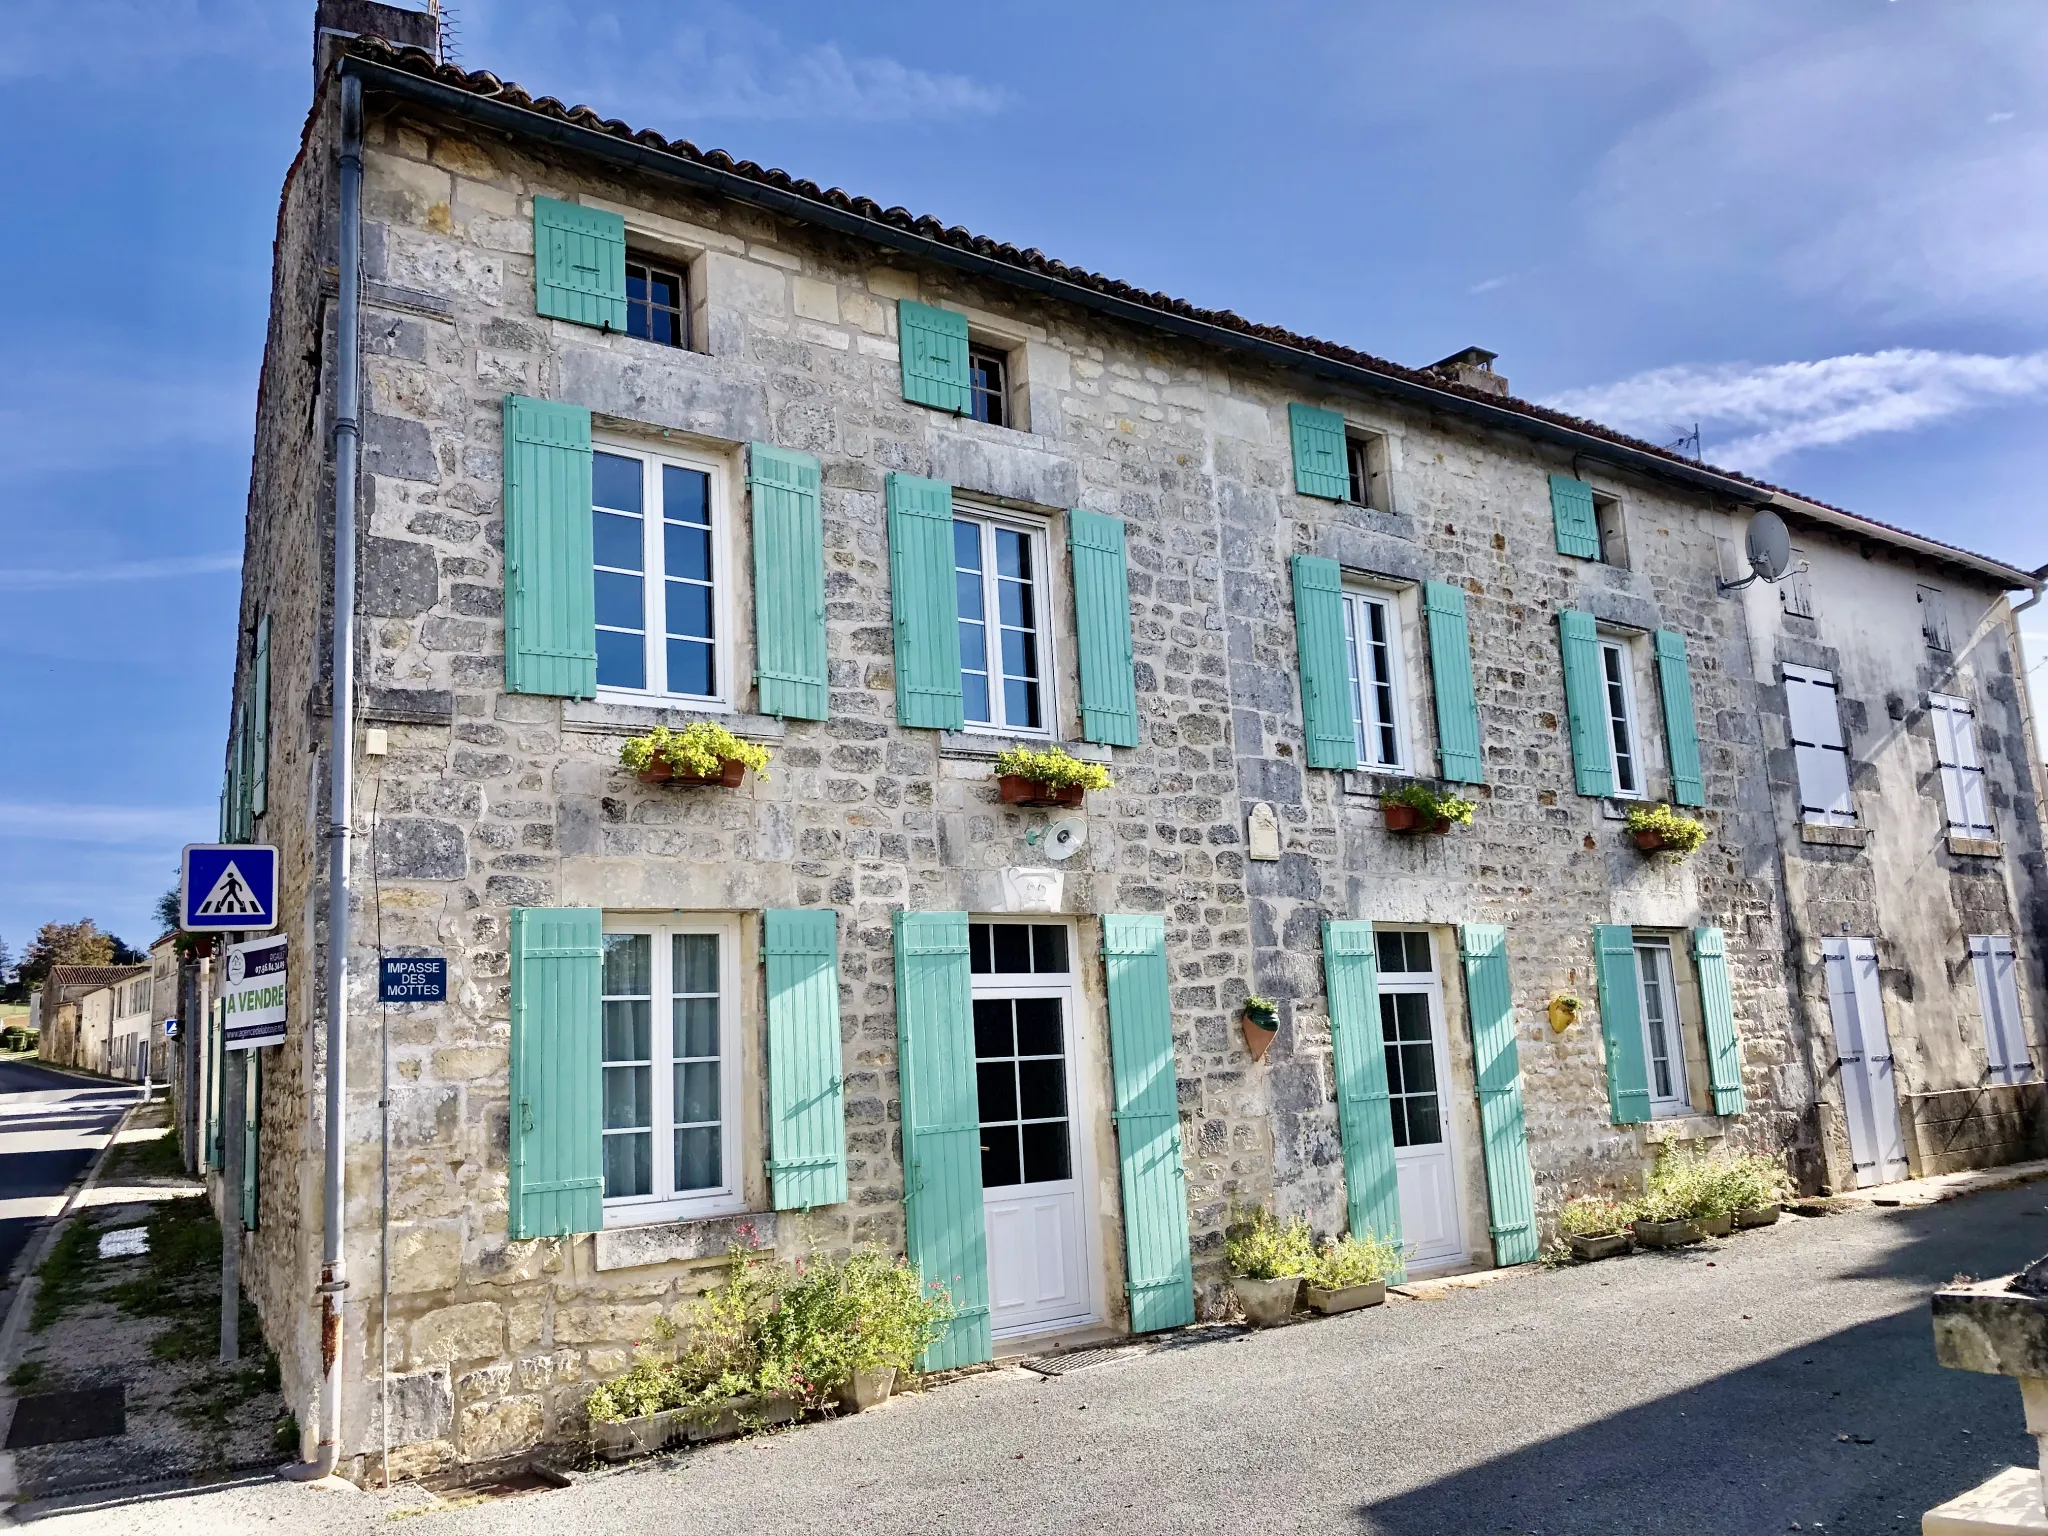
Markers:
point(1821, 230)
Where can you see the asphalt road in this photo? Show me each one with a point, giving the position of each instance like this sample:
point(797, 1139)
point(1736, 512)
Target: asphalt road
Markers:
point(51, 1123)
point(1782, 1376)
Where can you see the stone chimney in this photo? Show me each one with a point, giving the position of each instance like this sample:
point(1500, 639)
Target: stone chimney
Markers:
point(334, 20)
point(1473, 368)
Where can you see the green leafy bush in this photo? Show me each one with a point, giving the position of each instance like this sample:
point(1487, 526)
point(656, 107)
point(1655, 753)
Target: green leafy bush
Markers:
point(702, 747)
point(1264, 1009)
point(1754, 1180)
point(1687, 1185)
point(1259, 1246)
point(1052, 767)
point(1353, 1260)
point(1681, 833)
point(1595, 1216)
point(1432, 805)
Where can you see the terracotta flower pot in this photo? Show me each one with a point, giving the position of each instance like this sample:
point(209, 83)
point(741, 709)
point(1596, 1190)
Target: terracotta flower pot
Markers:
point(1018, 790)
point(731, 774)
point(1649, 842)
point(657, 771)
point(1400, 818)
point(1443, 825)
point(1266, 1302)
point(1259, 1035)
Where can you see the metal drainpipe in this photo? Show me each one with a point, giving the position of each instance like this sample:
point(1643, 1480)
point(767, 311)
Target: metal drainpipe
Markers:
point(347, 446)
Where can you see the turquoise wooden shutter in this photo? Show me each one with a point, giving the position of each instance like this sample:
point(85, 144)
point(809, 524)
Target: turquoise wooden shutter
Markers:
point(789, 583)
point(1326, 720)
point(1571, 506)
point(259, 724)
point(1158, 1272)
point(579, 264)
point(1497, 1068)
point(550, 602)
point(557, 1162)
point(1681, 730)
point(926, 603)
point(1319, 466)
point(1359, 1060)
point(1621, 1023)
point(252, 1125)
point(1717, 1007)
point(1585, 698)
point(1102, 622)
point(933, 345)
point(216, 1102)
point(806, 1083)
point(236, 787)
point(942, 1128)
point(1459, 753)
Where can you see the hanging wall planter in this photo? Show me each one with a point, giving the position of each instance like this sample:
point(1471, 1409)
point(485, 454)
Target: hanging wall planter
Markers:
point(1660, 829)
point(1261, 1025)
point(700, 753)
point(1414, 808)
point(1046, 777)
point(1018, 790)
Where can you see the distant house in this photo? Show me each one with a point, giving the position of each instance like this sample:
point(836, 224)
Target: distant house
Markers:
point(77, 1025)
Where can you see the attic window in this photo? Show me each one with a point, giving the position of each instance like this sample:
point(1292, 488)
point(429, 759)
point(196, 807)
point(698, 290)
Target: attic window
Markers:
point(988, 382)
point(657, 301)
point(1613, 534)
point(1365, 460)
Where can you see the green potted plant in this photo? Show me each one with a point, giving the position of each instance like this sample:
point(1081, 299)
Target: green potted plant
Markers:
point(1261, 1024)
point(1659, 827)
point(1420, 807)
point(1268, 1260)
point(1757, 1187)
point(1595, 1227)
point(1351, 1272)
point(1046, 776)
point(702, 752)
point(1686, 1201)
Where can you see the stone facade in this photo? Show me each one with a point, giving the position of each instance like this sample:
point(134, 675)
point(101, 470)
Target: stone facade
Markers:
point(486, 800)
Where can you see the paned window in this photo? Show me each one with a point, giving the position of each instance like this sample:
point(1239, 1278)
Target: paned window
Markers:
point(1819, 748)
point(671, 1087)
point(657, 533)
point(1020, 1072)
point(1619, 691)
point(988, 385)
point(1962, 771)
point(1663, 1043)
point(1415, 1102)
point(1998, 999)
point(1005, 655)
point(1017, 949)
point(1613, 533)
point(657, 301)
point(1372, 633)
point(1365, 463)
point(1403, 951)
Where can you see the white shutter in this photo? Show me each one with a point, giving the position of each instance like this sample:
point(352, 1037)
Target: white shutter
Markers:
point(1819, 747)
point(1962, 771)
point(1998, 995)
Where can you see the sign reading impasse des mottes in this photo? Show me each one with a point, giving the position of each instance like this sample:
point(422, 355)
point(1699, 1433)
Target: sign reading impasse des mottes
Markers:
point(412, 979)
point(252, 995)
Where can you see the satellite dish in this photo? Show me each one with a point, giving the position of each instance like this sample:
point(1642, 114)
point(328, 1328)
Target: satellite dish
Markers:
point(1063, 839)
point(1770, 545)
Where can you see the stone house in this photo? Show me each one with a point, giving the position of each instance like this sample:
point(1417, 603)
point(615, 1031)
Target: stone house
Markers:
point(652, 436)
point(78, 1012)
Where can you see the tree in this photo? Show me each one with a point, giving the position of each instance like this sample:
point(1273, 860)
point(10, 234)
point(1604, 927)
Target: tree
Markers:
point(79, 943)
point(124, 952)
point(169, 908)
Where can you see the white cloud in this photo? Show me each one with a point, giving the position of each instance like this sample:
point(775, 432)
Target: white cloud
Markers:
point(86, 574)
point(1753, 416)
point(169, 827)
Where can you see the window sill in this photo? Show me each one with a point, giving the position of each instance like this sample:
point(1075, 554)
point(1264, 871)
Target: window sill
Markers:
point(671, 1242)
point(610, 717)
point(1617, 807)
point(1371, 783)
point(1834, 837)
point(1692, 1127)
point(1975, 847)
point(986, 745)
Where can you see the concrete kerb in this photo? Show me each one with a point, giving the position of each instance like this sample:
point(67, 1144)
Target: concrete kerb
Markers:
point(1940, 1187)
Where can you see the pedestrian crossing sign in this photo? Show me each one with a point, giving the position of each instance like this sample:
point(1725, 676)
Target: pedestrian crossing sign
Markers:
point(227, 887)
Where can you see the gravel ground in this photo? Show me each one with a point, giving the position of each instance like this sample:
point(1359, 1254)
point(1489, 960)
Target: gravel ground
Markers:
point(1780, 1380)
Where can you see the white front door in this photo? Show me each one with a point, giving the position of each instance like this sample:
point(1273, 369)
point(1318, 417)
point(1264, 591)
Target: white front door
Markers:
point(1031, 1153)
point(1418, 1072)
point(1863, 1048)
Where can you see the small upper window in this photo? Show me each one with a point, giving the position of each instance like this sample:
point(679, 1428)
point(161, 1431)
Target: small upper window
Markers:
point(658, 575)
point(1820, 752)
point(1613, 536)
point(1962, 770)
point(657, 304)
point(1403, 950)
point(1005, 653)
point(1017, 949)
point(1619, 689)
point(1795, 588)
point(1372, 633)
point(1933, 618)
point(988, 383)
point(1365, 458)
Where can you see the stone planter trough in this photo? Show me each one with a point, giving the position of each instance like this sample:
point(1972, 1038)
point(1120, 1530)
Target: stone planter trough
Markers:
point(1598, 1245)
point(867, 1388)
point(652, 1432)
point(1666, 1234)
point(1717, 1226)
point(1757, 1216)
point(1345, 1298)
point(1266, 1302)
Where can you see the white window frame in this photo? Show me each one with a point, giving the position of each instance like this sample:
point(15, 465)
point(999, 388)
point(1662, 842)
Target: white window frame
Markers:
point(2006, 1052)
point(654, 575)
point(1963, 788)
point(1631, 718)
point(1042, 580)
point(1655, 951)
point(664, 1202)
point(1818, 806)
point(1367, 728)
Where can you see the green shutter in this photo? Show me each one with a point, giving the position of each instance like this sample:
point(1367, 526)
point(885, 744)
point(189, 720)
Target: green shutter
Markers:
point(925, 601)
point(259, 725)
point(942, 1128)
point(252, 1125)
point(1460, 755)
point(1571, 505)
point(579, 264)
point(1158, 1271)
point(806, 1084)
point(216, 1110)
point(1585, 698)
point(1325, 672)
point(1681, 731)
point(240, 819)
point(557, 1161)
point(789, 583)
point(1102, 623)
point(1319, 466)
point(1621, 1023)
point(1359, 1060)
point(1497, 1068)
point(550, 604)
point(1717, 1007)
point(933, 344)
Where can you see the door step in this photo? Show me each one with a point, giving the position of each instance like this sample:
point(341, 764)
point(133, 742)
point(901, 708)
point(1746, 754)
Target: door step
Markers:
point(1069, 1361)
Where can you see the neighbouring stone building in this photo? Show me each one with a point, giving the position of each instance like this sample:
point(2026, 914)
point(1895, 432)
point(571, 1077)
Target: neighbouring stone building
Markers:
point(653, 436)
point(78, 1005)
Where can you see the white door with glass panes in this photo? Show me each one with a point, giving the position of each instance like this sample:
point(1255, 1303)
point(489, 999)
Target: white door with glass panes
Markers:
point(1663, 1044)
point(1863, 1051)
point(1418, 1079)
point(1031, 1153)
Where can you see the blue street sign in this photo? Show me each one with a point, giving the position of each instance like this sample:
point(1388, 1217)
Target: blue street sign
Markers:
point(412, 979)
point(228, 886)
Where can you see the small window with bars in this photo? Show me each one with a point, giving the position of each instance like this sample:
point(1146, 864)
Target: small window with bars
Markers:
point(657, 301)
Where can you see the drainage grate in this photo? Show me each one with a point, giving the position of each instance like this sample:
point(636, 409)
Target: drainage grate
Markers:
point(1074, 1360)
point(53, 1418)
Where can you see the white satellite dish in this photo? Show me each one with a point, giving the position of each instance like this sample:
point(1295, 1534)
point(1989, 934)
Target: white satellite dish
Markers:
point(1063, 839)
point(1769, 546)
